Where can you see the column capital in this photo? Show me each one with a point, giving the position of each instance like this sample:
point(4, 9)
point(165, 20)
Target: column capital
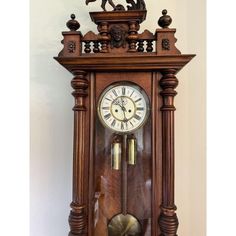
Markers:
point(80, 85)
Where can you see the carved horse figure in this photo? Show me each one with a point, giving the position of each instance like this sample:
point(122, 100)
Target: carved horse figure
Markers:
point(104, 2)
point(139, 5)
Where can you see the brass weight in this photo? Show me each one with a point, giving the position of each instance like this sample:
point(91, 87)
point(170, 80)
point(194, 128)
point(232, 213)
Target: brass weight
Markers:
point(116, 149)
point(132, 150)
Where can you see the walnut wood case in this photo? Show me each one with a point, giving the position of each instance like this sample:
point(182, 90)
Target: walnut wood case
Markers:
point(118, 52)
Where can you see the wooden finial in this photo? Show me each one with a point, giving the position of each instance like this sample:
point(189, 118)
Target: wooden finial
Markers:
point(165, 20)
point(73, 24)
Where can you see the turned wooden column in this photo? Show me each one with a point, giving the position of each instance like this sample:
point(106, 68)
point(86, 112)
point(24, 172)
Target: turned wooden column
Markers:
point(103, 36)
point(168, 220)
point(78, 214)
point(133, 36)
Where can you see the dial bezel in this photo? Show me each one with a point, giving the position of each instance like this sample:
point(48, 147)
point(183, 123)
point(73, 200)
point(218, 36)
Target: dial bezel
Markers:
point(138, 88)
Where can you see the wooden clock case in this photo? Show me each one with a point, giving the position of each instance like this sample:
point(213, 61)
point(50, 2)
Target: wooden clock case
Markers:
point(119, 53)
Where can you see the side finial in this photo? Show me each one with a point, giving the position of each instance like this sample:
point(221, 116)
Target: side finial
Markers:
point(73, 24)
point(165, 20)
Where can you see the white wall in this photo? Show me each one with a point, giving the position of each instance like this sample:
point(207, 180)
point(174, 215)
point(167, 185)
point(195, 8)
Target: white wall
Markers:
point(51, 114)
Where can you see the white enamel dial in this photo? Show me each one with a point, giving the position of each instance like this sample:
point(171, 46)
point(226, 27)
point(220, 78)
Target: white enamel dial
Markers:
point(123, 107)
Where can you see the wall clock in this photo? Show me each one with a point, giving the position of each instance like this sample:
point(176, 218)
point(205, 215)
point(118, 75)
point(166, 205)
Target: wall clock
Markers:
point(123, 157)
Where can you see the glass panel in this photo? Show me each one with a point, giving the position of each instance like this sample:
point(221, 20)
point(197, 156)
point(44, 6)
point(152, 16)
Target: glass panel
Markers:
point(125, 190)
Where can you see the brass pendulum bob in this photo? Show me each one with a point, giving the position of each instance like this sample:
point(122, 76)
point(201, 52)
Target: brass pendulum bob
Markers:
point(116, 148)
point(132, 149)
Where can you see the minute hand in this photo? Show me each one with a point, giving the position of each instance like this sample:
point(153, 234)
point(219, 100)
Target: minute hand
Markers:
point(123, 109)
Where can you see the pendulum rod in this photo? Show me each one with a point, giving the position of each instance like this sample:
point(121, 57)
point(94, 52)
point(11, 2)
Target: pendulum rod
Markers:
point(124, 178)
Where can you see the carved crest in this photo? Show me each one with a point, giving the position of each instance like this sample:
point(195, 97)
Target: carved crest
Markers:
point(118, 36)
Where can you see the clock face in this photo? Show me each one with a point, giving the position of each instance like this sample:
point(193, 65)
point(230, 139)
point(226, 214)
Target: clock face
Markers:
point(123, 107)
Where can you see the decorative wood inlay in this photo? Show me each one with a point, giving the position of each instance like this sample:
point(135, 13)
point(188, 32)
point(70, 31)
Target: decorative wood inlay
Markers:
point(78, 214)
point(168, 220)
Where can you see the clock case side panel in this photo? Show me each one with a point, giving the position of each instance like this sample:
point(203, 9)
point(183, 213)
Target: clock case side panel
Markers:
point(156, 153)
point(98, 82)
point(92, 154)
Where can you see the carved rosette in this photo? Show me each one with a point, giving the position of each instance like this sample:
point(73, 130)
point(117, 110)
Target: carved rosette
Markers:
point(71, 46)
point(78, 214)
point(165, 44)
point(168, 220)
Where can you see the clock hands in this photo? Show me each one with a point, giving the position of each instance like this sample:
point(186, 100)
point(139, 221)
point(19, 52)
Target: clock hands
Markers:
point(121, 112)
point(124, 110)
point(120, 102)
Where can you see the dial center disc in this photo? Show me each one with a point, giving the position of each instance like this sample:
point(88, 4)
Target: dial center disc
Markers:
point(123, 108)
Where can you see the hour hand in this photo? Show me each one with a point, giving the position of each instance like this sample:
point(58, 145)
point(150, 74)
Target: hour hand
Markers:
point(117, 102)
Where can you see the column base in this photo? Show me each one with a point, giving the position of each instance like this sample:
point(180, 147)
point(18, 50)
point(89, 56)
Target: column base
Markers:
point(168, 222)
point(78, 220)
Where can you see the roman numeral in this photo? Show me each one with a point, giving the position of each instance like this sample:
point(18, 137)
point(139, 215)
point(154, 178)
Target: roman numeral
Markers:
point(123, 91)
point(131, 93)
point(113, 123)
point(138, 100)
point(137, 117)
point(140, 108)
point(122, 125)
point(114, 92)
point(108, 99)
point(106, 108)
point(131, 123)
point(107, 116)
